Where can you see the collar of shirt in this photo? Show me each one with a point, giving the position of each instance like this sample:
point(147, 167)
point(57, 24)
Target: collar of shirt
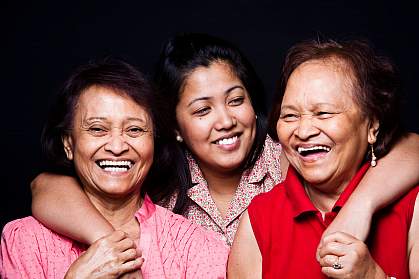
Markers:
point(302, 205)
point(267, 164)
point(146, 211)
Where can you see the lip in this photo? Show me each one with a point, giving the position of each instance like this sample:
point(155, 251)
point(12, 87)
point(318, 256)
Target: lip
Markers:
point(115, 167)
point(228, 147)
point(227, 136)
point(314, 157)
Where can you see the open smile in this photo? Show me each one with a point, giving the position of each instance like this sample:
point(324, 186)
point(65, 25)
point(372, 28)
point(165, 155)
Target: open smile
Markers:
point(313, 151)
point(115, 165)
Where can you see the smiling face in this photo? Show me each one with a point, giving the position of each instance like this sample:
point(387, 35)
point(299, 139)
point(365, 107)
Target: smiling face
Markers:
point(216, 118)
point(111, 142)
point(323, 132)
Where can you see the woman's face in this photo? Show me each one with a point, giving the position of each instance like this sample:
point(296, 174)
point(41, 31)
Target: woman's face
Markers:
point(323, 132)
point(111, 143)
point(216, 118)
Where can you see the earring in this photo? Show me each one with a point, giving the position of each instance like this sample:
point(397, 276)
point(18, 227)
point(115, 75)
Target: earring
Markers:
point(256, 117)
point(179, 138)
point(373, 158)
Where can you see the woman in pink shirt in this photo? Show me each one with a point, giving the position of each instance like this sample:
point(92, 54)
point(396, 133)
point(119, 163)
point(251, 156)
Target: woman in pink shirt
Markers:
point(214, 102)
point(104, 130)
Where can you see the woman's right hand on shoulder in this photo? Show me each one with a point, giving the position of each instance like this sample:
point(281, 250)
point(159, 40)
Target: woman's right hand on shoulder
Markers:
point(109, 257)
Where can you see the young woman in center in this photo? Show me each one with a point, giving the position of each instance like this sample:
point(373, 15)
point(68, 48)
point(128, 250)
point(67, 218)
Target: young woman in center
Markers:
point(213, 101)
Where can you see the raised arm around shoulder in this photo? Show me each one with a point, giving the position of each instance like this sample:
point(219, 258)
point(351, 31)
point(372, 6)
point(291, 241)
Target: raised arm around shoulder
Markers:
point(60, 204)
point(245, 260)
point(395, 174)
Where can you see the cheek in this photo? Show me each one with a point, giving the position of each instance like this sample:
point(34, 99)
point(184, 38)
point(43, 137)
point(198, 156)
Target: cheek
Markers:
point(284, 131)
point(195, 129)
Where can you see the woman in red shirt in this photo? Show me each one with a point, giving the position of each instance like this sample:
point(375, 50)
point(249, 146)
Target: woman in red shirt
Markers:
point(336, 115)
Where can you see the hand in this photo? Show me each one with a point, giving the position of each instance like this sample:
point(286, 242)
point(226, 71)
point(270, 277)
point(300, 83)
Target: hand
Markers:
point(136, 274)
point(351, 253)
point(108, 257)
point(345, 222)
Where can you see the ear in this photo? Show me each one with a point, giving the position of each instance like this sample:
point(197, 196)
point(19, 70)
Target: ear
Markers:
point(373, 127)
point(68, 146)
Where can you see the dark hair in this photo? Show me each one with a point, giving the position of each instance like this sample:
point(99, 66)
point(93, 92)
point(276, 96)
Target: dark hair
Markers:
point(181, 55)
point(375, 81)
point(122, 78)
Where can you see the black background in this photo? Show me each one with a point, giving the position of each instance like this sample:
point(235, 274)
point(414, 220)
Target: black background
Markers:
point(42, 42)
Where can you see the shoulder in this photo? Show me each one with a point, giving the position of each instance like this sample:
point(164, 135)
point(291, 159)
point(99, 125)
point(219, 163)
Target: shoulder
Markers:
point(27, 248)
point(193, 245)
point(269, 198)
point(178, 225)
point(407, 202)
point(182, 231)
point(29, 234)
point(25, 228)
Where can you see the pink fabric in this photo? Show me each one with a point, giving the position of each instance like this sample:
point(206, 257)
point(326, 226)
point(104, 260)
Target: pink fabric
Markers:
point(262, 177)
point(172, 247)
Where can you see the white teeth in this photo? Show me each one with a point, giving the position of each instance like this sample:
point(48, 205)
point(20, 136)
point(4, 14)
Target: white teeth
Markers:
point(227, 141)
point(115, 169)
point(302, 149)
point(107, 164)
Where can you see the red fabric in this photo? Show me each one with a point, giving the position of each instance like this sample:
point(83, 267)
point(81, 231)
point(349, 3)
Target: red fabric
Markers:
point(288, 228)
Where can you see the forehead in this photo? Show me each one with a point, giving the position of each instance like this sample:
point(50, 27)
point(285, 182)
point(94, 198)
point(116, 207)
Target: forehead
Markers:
point(107, 102)
point(320, 80)
point(209, 80)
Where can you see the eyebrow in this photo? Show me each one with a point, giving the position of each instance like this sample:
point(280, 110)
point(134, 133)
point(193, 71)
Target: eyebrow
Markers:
point(315, 106)
point(207, 98)
point(91, 119)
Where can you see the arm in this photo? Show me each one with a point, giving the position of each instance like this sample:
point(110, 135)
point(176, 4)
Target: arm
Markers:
point(245, 260)
point(414, 242)
point(394, 175)
point(60, 204)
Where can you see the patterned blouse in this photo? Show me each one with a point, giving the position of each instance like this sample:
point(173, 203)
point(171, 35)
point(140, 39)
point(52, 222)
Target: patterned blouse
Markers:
point(264, 175)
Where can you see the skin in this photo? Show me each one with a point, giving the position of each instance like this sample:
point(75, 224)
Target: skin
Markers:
point(217, 122)
point(110, 127)
point(397, 171)
point(318, 109)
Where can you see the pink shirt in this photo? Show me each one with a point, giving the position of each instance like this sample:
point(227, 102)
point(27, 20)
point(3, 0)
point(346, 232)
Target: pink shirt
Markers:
point(262, 177)
point(172, 247)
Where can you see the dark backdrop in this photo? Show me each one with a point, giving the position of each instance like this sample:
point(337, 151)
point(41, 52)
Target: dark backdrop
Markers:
point(42, 42)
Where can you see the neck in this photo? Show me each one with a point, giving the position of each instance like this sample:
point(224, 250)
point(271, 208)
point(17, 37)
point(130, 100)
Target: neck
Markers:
point(119, 211)
point(324, 197)
point(222, 183)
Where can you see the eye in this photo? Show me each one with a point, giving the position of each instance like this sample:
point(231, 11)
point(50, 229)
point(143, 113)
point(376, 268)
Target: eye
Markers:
point(135, 131)
point(323, 114)
point(202, 111)
point(97, 130)
point(236, 101)
point(289, 117)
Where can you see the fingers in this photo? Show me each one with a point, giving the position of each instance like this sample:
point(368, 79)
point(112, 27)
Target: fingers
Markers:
point(333, 248)
point(328, 260)
point(334, 273)
point(335, 237)
point(131, 265)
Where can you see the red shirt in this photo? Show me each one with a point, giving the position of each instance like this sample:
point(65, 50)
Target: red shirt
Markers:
point(288, 228)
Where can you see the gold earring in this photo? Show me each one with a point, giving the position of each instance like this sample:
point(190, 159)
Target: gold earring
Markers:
point(179, 138)
point(373, 158)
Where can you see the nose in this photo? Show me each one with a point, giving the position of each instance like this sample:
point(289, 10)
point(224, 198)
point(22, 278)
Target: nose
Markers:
point(225, 120)
point(306, 129)
point(117, 143)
